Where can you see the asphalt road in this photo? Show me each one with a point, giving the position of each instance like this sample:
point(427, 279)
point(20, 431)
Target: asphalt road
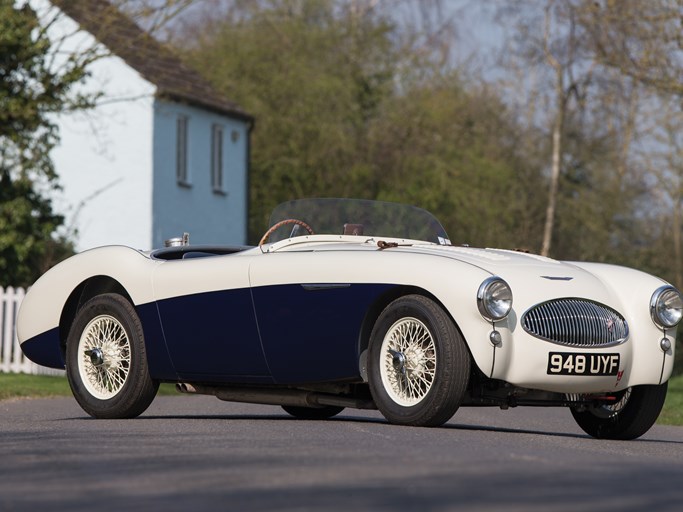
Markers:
point(198, 453)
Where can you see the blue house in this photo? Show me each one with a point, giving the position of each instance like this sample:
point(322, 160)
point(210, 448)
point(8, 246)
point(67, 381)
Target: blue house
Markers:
point(162, 153)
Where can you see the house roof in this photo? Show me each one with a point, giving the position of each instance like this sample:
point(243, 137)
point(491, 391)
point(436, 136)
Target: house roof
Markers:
point(154, 61)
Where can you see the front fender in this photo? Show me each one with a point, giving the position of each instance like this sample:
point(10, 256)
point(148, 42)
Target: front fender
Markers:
point(634, 289)
point(41, 309)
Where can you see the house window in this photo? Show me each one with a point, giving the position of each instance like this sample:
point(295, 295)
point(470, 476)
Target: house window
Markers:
point(217, 159)
point(181, 151)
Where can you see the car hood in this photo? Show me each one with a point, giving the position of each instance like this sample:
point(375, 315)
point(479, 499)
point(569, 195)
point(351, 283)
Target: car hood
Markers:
point(533, 278)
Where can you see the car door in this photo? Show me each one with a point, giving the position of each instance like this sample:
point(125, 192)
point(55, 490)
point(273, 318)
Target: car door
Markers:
point(208, 318)
point(309, 316)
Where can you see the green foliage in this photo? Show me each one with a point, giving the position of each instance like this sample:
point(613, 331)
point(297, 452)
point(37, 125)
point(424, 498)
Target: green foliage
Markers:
point(313, 80)
point(33, 87)
point(346, 105)
point(672, 414)
point(453, 151)
point(344, 109)
point(597, 206)
point(678, 357)
point(27, 223)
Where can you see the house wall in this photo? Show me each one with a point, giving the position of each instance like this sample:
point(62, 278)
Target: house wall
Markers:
point(104, 159)
point(208, 216)
point(104, 162)
point(117, 162)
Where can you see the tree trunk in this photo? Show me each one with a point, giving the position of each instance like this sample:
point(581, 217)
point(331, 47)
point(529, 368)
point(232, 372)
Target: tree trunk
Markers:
point(677, 242)
point(555, 167)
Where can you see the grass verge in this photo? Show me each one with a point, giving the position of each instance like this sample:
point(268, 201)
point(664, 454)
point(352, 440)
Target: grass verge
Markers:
point(20, 385)
point(17, 385)
point(672, 414)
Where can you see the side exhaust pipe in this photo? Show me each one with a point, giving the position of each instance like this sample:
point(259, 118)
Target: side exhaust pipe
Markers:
point(292, 397)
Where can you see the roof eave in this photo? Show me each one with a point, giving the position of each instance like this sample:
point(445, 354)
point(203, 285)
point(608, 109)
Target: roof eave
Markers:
point(227, 110)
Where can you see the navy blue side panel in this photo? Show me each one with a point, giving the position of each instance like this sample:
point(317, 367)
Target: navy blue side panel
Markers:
point(311, 333)
point(158, 358)
point(213, 334)
point(44, 349)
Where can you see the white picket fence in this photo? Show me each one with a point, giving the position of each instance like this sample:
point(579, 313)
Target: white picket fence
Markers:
point(12, 359)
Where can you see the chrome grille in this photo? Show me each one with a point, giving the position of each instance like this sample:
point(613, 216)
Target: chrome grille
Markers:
point(576, 323)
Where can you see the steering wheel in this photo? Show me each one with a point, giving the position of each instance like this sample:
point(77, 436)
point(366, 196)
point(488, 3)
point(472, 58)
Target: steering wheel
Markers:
point(275, 227)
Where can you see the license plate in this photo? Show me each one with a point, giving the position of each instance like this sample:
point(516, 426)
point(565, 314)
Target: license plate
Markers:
point(573, 363)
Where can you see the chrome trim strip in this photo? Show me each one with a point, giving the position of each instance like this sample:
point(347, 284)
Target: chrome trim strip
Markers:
point(312, 287)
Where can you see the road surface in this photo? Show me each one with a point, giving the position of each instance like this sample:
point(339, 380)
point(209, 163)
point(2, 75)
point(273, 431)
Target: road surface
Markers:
point(197, 453)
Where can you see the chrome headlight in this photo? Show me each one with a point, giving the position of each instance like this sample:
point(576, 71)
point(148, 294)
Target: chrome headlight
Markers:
point(494, 299)
point(666, 306)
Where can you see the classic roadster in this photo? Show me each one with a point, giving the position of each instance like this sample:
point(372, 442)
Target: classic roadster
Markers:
point(363, 304)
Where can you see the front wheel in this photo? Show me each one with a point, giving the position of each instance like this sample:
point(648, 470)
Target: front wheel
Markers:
point(106, 362)
point(633, 414)
point(418, 363)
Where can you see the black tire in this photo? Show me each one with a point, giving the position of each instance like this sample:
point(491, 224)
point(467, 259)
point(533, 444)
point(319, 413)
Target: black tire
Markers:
point(313, 413)
point(634, 414)
point(436, 369)
point(106, 361)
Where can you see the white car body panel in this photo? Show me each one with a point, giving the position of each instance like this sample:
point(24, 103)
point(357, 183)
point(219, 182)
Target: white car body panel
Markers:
point(388, 315)
point(522, 359)
point(451, 274)
point(41, 309)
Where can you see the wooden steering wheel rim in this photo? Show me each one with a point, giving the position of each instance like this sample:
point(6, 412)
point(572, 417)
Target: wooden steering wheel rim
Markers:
point(274, 227)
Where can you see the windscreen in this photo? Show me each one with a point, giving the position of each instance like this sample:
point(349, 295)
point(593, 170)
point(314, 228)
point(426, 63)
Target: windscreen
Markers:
point(358, 217)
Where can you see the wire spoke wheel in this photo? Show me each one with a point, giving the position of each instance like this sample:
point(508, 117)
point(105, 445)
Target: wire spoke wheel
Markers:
point(629, 417)
point(104, 357)
point(106, 360)
point(408, 364)
point(418, 363)
point(612, 410)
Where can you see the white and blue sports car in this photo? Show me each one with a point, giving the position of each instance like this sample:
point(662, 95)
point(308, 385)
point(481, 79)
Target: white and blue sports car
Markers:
point(354, 303)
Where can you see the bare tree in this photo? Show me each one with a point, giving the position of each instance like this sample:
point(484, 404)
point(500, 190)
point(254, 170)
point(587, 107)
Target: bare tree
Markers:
point(665, 163)
point(553, 53)
point(641, 39)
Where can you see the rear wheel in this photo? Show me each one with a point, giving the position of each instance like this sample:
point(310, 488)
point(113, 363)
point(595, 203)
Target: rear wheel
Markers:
point(106, 359)
point(418, 364)
point(636, 410)
point(313, 413)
